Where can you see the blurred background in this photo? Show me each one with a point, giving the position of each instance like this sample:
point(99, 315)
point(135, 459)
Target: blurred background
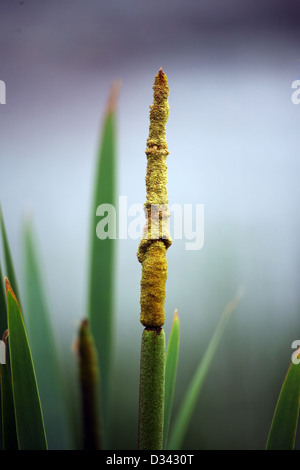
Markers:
point(233, 136)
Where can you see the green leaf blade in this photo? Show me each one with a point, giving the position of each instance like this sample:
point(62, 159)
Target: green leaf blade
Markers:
point(10, 270)
point(196, 384)
point(283, 429)
point(28, 412)
point(44, 349)
point(170, 374)
point(3, 310)
point(102, 258)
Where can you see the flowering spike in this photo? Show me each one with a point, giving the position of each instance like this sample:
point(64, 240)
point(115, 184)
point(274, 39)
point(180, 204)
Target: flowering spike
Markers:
point(156, 238)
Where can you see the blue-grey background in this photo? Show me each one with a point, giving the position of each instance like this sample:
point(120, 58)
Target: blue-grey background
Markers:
point(233, 136)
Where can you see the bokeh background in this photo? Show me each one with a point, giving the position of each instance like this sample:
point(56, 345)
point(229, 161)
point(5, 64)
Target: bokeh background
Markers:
point(233, 136)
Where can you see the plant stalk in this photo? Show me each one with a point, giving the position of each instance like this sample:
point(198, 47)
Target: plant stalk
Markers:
point(152, 255)
point(152, 378)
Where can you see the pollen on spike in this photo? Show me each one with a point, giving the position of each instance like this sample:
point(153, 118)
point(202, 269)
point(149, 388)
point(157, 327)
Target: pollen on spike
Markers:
point(161, 76)
point(156, 237)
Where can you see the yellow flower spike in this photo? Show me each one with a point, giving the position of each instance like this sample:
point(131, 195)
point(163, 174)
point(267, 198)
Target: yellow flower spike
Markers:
point(156, 238)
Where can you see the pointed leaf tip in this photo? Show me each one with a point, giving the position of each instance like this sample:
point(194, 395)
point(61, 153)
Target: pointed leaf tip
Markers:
point(8, 288)
point(28, 412)
point(113, 96)
point(7, 283)
point(175, 318)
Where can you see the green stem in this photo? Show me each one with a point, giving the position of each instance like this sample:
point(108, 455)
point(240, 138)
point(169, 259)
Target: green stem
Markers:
point(152, 387)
